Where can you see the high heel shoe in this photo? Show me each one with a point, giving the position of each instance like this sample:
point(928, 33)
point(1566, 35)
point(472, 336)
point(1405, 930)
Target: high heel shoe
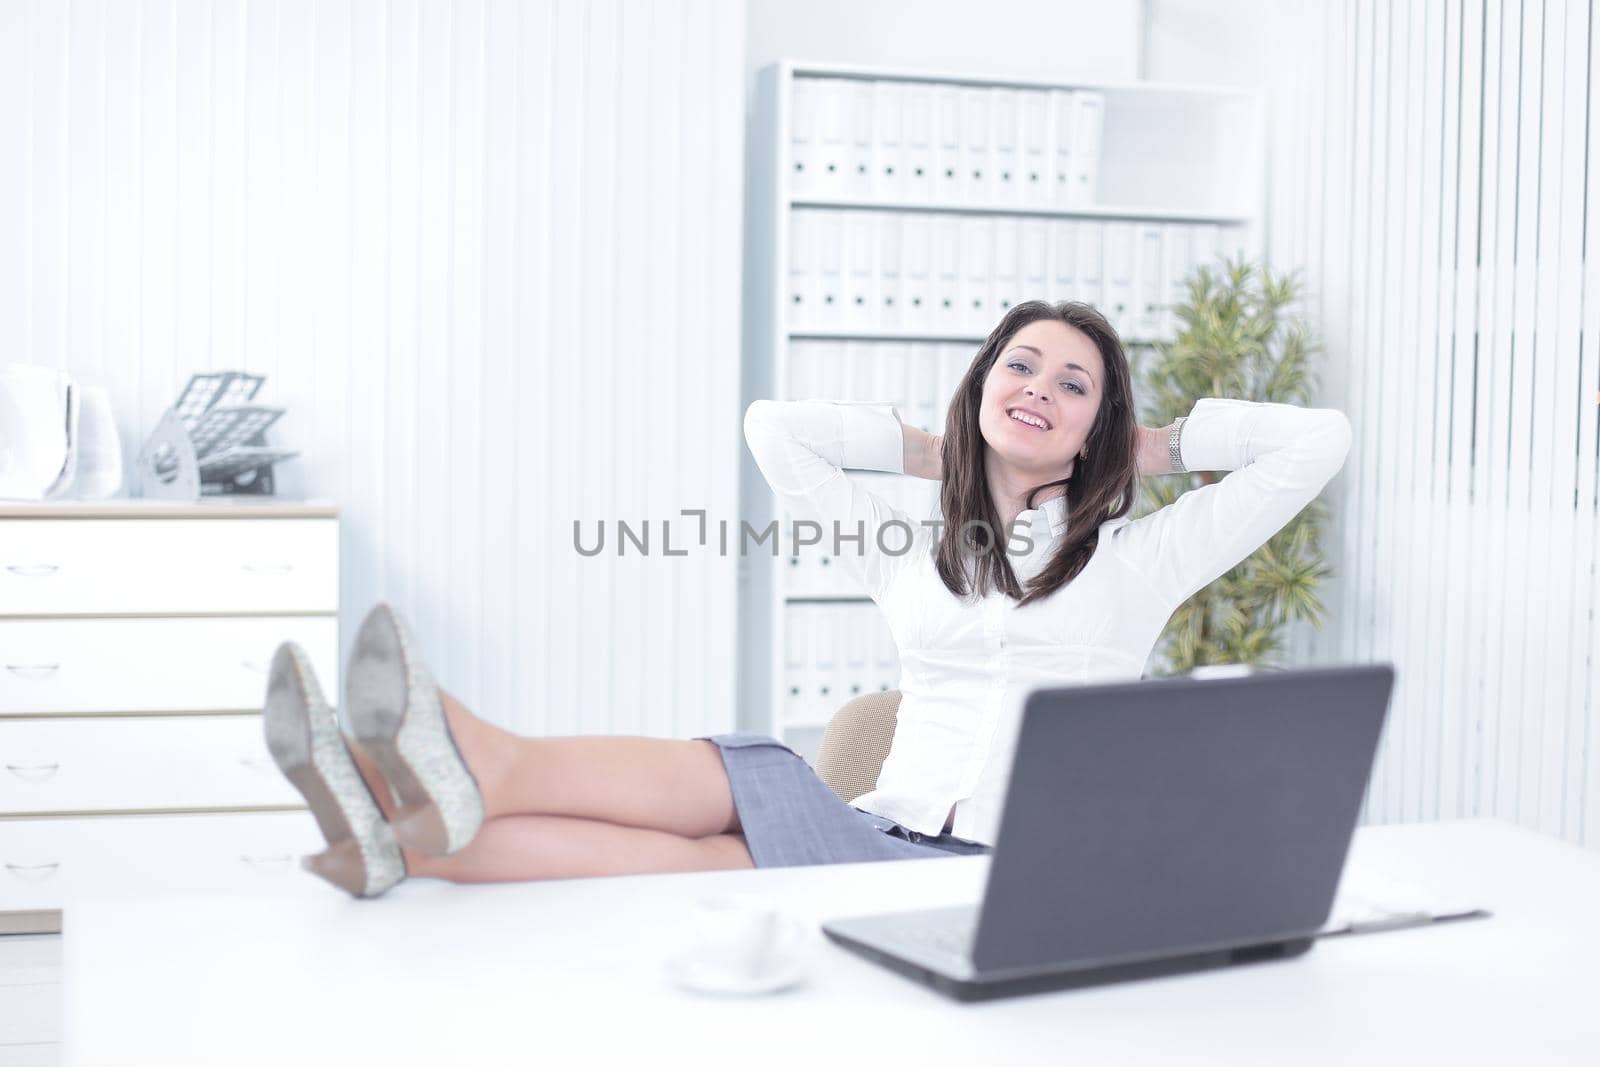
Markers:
point(303, 736)
point(397, 714)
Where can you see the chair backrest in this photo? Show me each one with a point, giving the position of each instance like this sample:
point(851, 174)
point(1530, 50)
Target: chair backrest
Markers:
point(856, 743)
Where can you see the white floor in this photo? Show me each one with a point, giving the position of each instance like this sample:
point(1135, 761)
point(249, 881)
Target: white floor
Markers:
point(30, 1000)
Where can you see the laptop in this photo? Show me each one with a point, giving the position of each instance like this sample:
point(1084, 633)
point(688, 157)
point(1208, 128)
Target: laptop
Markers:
point(1154, 828)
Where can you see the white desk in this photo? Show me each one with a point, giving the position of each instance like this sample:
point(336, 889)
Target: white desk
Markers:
point(570, 972)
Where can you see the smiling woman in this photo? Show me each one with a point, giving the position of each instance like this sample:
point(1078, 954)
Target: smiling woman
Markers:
point(1046, 405)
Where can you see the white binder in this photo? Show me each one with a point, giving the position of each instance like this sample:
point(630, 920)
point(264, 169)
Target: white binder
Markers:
point(860, 360)
point(828, 307)
point(1179, 262)
point(1063, 113)
point(916, 272)
point(893, 381)
point(802, 372)
point(825, 698)
point(976, 134)
point(803, 138)
point(1034, 176)
point(1091, 263)
point(1006, 292)
point(919, 143)
point(1088, 121)
point(888, 232)
point(1006, 166)
point(1119, 259)
point(950, 160)
point(977, 267)
point(1064, 260)
point(832, 102)
point(830, 379)
point(1149, 283)
point(946, 306)
point(954, 359)
point(856, 658)
point(796, 660)
point(1208, 249)
point(802, 269)
point(1034, 237)
point(888, 141)
point(886, 657)
point(859, 149)
point(924, 408)
point(861, 270)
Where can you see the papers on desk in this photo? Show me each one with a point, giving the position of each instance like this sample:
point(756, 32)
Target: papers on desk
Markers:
point(1369, 901)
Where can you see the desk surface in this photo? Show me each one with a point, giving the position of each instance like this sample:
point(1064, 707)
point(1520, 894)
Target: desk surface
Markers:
point(559, 972)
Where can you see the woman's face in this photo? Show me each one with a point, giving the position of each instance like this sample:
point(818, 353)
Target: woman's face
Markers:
point(1040, 398)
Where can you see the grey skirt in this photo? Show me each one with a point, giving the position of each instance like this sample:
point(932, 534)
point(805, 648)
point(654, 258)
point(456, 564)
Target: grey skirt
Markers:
point(791, 818)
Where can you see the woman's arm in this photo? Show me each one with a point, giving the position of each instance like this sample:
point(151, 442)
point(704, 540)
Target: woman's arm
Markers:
point(1152, 451)
point(1279, 458)
point(804, 447)
point(923, 453)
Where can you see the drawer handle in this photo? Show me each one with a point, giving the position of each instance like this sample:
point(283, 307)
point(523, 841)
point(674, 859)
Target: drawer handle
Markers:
point(253, 665)
point(268, 861)
point(256, 763)
point(33, 670)
point(32, 570)
point(38, 772)
point(37, 872)
point(269, 568)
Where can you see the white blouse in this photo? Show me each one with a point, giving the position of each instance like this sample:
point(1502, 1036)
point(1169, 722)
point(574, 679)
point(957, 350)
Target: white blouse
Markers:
point(967, 666)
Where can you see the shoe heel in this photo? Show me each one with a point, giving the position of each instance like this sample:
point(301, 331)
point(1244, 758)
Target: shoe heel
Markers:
point(342, 864)
point(422, 829)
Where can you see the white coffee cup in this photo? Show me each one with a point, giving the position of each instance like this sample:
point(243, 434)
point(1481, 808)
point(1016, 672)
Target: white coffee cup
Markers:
point(742, 936)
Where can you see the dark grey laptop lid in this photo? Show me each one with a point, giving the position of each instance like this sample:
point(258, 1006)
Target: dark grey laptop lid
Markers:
point(1150, 817)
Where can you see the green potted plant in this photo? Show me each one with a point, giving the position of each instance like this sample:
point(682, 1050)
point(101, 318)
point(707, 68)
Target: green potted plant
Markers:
point(1238, 336)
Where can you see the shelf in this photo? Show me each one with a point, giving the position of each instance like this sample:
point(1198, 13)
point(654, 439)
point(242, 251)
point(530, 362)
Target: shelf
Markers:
point(886, 335)
point(936, 336)
point(826, 69)
point(1111, 212)
point(826, 599)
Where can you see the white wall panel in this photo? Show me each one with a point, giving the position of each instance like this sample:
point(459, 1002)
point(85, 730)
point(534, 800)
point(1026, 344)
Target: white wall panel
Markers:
point(1434, 174)
point(488, 254)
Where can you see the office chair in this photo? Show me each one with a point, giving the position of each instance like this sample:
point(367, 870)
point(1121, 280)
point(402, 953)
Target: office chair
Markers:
point(856, 742)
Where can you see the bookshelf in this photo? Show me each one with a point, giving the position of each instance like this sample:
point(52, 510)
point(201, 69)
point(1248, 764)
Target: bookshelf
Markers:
point(894, 216)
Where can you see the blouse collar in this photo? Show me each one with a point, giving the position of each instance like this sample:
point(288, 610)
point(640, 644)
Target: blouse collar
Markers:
point(1049, 520)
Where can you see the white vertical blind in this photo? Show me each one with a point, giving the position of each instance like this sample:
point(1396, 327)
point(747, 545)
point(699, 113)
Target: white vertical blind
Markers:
point(1434, 174)
point(488, 254)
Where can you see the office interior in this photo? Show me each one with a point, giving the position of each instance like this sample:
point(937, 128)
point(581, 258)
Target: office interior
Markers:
point(509, 274)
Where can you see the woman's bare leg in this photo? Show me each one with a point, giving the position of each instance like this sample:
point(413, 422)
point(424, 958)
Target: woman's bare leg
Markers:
point(522, 848)
point(679, 787)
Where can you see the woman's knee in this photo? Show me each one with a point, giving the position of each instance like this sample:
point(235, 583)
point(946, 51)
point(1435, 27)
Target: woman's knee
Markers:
point(729, 851)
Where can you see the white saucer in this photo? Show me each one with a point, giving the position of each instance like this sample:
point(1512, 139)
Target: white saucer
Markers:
point(695, 974)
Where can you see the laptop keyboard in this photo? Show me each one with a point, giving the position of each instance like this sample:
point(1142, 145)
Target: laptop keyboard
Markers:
point(950, 931)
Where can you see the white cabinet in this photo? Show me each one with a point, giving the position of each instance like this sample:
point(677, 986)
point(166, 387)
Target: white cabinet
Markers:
point(135, 639)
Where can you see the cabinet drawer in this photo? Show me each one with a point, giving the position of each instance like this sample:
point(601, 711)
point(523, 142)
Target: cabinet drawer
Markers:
point(29, 1015)
point(44, 862)
point(168, 566)
point(51, 666)
point(117, 764)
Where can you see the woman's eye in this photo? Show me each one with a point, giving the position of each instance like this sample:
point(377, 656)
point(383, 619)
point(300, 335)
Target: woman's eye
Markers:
point(1017, 364)
point(1074, 386)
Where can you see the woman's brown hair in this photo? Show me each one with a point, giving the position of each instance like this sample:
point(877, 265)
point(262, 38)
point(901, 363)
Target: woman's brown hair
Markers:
point(1101, 487)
